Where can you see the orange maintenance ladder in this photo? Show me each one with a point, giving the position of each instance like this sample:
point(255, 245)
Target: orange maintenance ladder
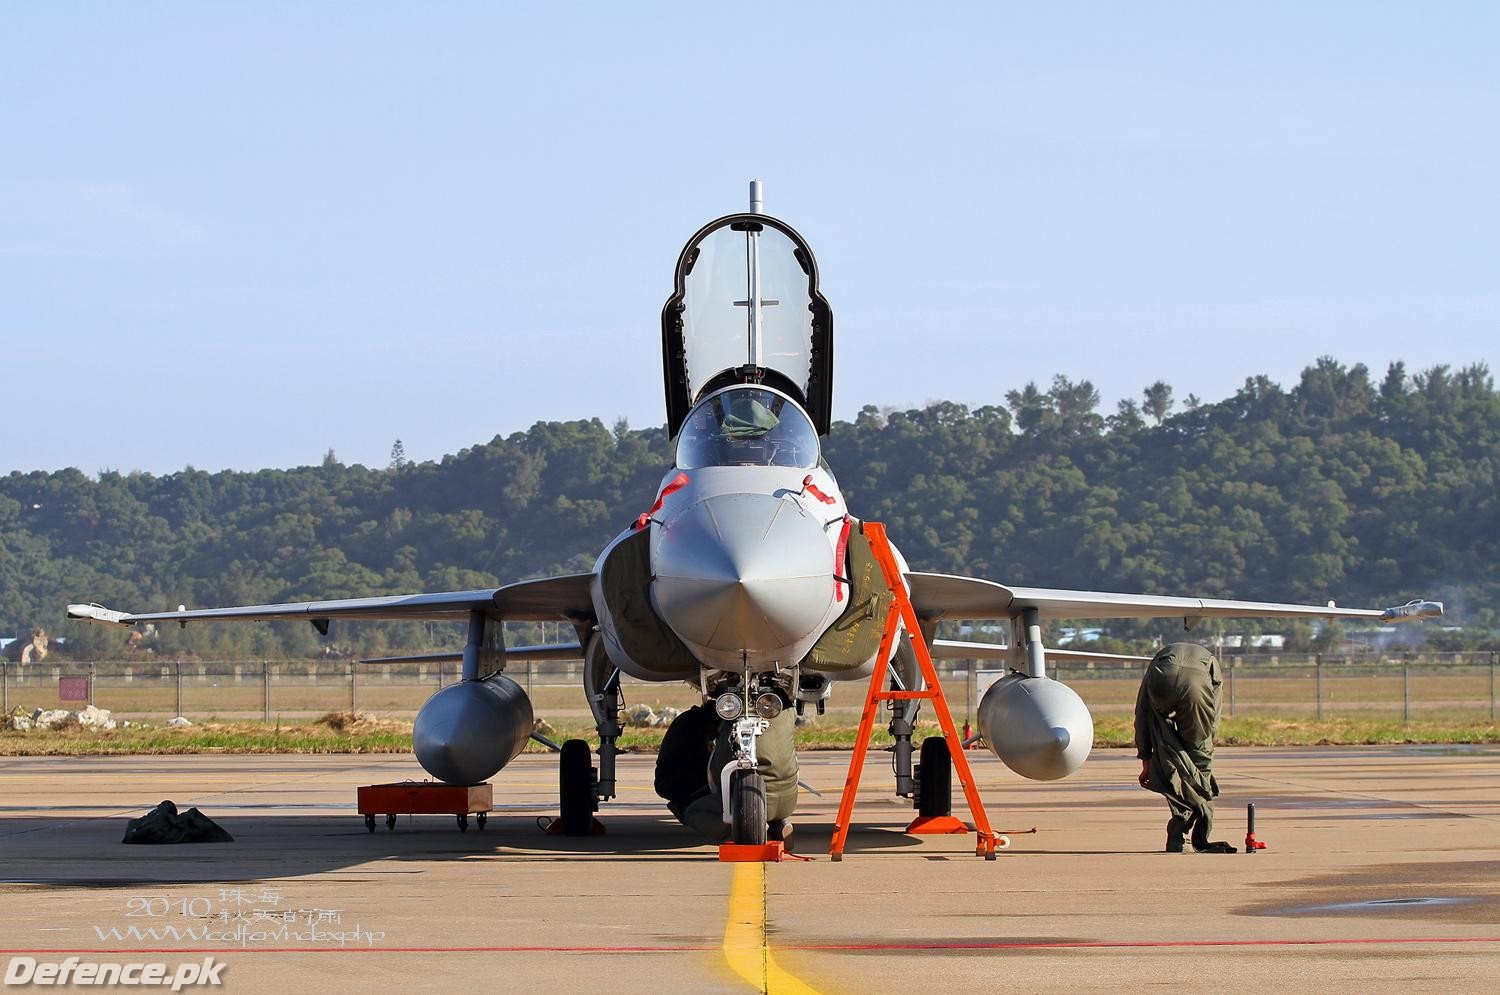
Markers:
point(902, 611)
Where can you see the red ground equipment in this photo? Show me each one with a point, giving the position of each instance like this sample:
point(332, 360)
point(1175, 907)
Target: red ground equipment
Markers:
point(901, 611)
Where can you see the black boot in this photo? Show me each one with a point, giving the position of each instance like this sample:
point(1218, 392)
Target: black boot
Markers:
point(1175, 830)
point(1201, 842)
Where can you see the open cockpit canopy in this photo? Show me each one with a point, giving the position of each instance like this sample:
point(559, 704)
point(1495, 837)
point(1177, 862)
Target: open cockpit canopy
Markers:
point(746, 310)
point(744, 425)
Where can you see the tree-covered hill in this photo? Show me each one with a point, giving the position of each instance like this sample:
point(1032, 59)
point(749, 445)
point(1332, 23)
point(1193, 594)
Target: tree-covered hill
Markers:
point(1339, 487)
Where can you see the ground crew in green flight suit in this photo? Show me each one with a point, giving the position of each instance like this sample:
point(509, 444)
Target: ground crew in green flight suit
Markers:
point(693, 753)
point(1176, 717)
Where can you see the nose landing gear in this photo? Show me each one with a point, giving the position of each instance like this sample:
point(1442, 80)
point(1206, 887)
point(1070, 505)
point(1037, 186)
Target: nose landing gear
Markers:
point(742, 787)
point(747, 799)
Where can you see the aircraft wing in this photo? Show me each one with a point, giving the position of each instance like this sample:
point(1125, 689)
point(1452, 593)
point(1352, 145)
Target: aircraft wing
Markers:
point(563, 598)
point(938, 596)
point(513, 654)
point(961, 649)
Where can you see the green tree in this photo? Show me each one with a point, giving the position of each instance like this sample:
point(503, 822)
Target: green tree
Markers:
point(1158, 401)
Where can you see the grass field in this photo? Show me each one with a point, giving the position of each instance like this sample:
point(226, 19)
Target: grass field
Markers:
point(344, 732)
point(262, 708)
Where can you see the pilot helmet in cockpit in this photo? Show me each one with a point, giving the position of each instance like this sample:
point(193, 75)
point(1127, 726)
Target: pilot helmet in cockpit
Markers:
point(747, 426)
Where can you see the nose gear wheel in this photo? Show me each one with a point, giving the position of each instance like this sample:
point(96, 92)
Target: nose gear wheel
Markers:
point(747, 808)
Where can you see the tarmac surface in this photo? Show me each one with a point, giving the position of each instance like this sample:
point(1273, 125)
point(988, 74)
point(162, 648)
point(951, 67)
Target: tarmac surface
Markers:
point(1383, 868)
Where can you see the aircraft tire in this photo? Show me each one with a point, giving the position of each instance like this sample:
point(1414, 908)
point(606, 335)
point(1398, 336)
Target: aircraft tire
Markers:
point(747, 807)
point(576, 788)
point(935, 778)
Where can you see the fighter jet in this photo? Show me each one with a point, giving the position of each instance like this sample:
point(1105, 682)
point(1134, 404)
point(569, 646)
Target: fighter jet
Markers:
point(747, 576)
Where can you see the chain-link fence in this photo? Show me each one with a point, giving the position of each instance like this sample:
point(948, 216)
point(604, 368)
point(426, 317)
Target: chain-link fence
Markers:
point(1446, 686)
point(267, 691)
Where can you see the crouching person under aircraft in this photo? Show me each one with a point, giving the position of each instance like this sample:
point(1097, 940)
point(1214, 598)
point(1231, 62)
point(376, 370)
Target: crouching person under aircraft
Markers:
point(1176, 717)
point(693, 754)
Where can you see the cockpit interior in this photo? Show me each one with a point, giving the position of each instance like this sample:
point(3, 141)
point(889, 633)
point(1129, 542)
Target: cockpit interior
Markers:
point(746, 425)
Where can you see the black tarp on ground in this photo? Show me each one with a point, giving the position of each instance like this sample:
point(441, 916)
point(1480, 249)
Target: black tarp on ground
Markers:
point(164, 824)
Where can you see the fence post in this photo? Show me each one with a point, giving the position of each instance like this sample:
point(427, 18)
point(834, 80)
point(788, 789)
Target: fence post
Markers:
point(177, 667)
point(92, 674)
point(5, 685)
point(1318, 665)
point(971, 688)
point(1232, 661)
point(1492, 686)
point(265, 690)
point(353, 690)
point(530, 666)
point(1406, 692)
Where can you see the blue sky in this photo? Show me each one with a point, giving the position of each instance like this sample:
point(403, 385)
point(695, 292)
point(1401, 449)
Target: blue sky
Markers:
point(238, 235)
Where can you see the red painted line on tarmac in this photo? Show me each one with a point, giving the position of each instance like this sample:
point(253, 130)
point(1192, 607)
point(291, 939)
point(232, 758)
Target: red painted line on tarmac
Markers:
point(858, 947)
point(1133, 944)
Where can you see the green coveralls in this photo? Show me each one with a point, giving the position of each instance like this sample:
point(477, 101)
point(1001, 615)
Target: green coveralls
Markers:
point(693, 753)
point(1176, 716)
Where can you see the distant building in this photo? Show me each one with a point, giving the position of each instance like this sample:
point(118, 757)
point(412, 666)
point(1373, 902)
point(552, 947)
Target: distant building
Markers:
point(1071, 637)
point(1262, 642)
point(32, 650)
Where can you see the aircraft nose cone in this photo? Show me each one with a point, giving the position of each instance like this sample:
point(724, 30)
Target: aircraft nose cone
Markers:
point(742, 572)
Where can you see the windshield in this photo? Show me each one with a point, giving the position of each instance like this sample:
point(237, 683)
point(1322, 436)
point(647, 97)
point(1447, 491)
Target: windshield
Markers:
point(747, 426)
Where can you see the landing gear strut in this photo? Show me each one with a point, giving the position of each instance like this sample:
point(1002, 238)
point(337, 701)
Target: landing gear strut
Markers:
point(581, 786)
point(742, 787)
point(906, 675)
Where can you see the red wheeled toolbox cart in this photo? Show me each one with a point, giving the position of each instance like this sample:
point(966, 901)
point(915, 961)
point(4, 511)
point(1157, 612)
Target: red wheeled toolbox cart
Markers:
point(425, 798)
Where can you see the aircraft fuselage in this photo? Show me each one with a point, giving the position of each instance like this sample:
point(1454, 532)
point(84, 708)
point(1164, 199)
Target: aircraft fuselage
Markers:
point(744, 550)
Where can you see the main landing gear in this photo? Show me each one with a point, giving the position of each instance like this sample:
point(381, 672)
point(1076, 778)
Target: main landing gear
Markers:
point(934, 779)
point(581, 787)
point(578, 784)
point(928, 783)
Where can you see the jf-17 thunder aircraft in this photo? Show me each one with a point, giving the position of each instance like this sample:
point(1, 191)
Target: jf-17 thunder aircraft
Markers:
point(748, 577)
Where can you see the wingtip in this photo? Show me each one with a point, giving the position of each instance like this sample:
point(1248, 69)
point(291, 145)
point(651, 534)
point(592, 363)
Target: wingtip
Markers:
point(97, 614)
point(1412, 611)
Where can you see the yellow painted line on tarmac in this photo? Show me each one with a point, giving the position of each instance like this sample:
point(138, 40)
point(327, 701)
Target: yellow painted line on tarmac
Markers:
point(745, 946)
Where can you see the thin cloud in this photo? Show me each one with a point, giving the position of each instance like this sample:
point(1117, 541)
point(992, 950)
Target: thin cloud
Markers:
point(85, 214)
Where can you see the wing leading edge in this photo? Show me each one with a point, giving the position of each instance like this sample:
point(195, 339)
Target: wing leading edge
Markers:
point(563, 598)
point(960, 649)
point(938, 596)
